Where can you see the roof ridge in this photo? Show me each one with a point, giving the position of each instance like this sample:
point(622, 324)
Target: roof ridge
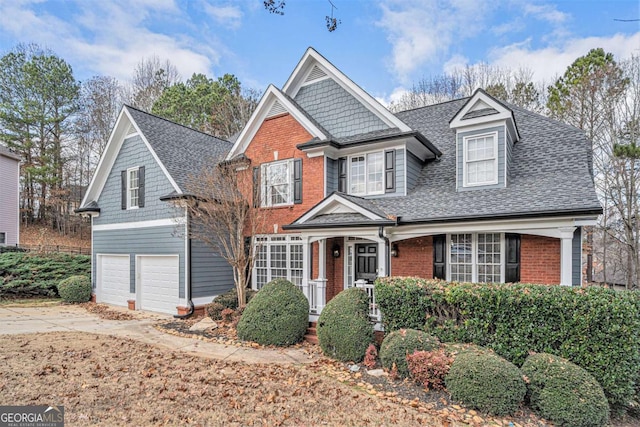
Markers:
point(433, 105)
point(177, 124)
point(542, 116)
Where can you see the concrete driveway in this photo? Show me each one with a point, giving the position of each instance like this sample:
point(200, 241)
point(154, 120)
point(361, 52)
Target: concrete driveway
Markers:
point(69, 318)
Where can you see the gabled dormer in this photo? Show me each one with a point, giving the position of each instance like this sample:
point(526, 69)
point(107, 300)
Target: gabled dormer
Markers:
point(485, 134)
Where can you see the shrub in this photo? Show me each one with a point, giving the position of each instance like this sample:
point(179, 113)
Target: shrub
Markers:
point(564, 393)
point(214, 310)
point(23, 274)
point(398, 344)
point(344, 330)
point(75, 289)
point(588, 326)
point(277, 315)
point(429, 368)
point(370, 356)
point(486, 382)
point(227, 314)
point(230, 298)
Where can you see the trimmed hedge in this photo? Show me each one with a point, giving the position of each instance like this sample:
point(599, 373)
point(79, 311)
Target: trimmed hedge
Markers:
point(75, 289)
point(589, 326)
point(344, 330)
point(397, 345)
point(24, 274)
point(564, 393)
point(230, 298)
point(487, 382)
point(277, 315)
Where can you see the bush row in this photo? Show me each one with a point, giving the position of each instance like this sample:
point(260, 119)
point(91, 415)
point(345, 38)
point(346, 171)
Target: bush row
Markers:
point(591, 327)
point(25, 274)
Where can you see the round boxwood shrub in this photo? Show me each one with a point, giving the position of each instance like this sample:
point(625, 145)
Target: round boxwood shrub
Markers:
point(487, 382)
point(277, 315)
point(564, 393)
point(398, 344)
point(75, 289)
point(344, 330)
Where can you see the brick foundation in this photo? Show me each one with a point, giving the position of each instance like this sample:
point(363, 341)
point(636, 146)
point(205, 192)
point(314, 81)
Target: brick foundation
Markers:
point(131, 303)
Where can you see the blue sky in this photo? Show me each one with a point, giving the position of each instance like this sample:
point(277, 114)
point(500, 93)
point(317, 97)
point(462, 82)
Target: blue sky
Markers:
point(383, 45)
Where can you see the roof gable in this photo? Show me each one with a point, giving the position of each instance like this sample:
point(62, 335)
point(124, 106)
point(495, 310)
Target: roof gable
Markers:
point(483, 108)
point(315, 83)
point(274, 102)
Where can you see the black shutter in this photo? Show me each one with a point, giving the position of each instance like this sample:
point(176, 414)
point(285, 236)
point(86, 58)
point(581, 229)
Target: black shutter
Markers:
point(123, 190)
point(256, 187)
point(512, 270)
point(389, 171)
point(342, 174)
point(297, 181)
point(440, 256)
point(141, 187)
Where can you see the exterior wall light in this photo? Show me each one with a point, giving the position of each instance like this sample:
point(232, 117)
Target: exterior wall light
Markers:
point(394, 250)
point(336, 251)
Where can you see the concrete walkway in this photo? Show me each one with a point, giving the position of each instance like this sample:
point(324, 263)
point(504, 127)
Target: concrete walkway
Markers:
point(67, 318)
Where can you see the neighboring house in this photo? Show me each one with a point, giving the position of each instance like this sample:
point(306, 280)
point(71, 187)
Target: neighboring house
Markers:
point(140, 245)
point(9, 197)
point(470, 190)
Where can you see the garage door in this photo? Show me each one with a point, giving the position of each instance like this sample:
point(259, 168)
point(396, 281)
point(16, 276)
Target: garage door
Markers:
point(113, 279)
point(159, 283)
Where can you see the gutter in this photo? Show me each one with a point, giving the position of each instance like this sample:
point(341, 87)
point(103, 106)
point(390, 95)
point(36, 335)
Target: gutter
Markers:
point(339, 225)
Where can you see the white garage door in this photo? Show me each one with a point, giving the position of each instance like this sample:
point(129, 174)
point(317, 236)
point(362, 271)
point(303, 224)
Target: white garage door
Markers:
point(113, 279)
point(159, 283)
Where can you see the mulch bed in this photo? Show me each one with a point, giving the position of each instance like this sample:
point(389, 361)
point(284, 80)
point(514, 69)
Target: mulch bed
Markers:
point(104, 312)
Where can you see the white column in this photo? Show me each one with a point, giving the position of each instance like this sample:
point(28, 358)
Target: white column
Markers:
point(382, 259)
point(322, 261)
point(305, 266)
point(566, 255)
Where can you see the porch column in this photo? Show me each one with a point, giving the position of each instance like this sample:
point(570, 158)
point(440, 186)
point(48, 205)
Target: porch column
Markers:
point(306, 262)
point(321, 296)
point(566, 255)
point(382, 259)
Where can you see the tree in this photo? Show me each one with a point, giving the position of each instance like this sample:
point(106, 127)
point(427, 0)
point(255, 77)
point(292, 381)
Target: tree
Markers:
point(38, 96)
point(218, 107)
point(151, 77)
point(276, 7)
point(222, 214)
point(586, 96)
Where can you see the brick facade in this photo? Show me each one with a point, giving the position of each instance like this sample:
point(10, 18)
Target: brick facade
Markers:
point(415, 258)
point(281, 134)
point(539, 259)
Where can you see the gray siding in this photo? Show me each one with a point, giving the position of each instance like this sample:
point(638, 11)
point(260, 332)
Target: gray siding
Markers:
point(509, 146)
point(400, 177)
point(576, 257)
point(414, 166)
point(165, 240)
point(501, 158)
point(332, 175)
point(9, 199)
point(135, 153)
point(336, 110)
point(210, 273)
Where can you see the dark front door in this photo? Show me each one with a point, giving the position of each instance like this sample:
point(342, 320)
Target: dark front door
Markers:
point(367, 262)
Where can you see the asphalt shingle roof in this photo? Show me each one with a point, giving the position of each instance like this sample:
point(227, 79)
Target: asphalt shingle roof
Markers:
point(182, 150)
point(549, 172)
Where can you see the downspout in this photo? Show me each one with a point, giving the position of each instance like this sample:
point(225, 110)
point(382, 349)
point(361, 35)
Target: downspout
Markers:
point(187, 273)
point(386, 248)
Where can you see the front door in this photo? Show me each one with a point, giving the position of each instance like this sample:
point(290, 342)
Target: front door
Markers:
point(367, 262)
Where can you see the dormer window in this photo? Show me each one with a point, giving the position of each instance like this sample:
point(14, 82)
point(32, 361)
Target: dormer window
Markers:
point(481, 160)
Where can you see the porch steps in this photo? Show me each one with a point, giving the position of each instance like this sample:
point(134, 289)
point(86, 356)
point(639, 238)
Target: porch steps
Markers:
point(311, 336)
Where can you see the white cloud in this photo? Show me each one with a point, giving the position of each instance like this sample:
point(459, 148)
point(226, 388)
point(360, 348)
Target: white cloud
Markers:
point(456, 62)
point(109, 38)
point(545, 12)
point(228, 16)
point(421, 31)
point(551, 61)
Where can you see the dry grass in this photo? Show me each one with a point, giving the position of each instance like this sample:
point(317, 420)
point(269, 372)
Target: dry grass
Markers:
point(109, 381)
point(36, 235)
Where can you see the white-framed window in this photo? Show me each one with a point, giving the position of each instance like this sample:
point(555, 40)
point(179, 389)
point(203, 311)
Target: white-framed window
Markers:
point(133, 188)
point(277, 183)
point(480, 159)
point(3, 238)
point(366, 173)
point(278, 256)
point(476, 257)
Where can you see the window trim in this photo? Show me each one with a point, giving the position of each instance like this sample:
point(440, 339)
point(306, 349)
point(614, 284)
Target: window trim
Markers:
point(5, 238)
point(264, 193)
point(365, 154)
point(465, 162)
point(474, 255)
point(266, 241)
point(129, 188)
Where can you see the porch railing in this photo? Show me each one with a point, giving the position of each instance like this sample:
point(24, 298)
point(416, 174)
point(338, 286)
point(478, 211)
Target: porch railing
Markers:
point(315, 293)
point(374, 311)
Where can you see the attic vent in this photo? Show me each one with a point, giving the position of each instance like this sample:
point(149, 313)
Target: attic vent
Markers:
point(131, 130)
point(316, 73)
point(276, 109)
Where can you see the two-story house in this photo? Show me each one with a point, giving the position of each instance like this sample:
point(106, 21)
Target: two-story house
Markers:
point(9, 197)
point(470, 190)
